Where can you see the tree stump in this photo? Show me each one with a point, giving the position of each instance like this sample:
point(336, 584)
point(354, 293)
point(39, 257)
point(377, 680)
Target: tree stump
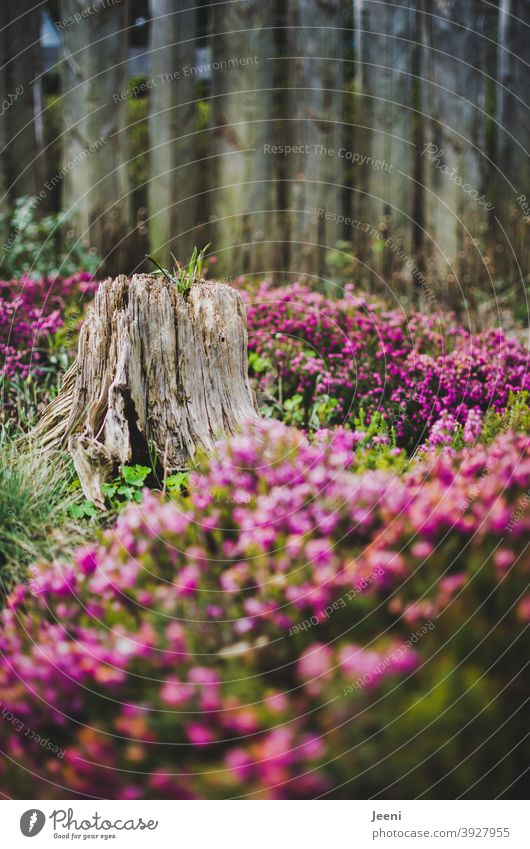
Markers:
point(158, 374)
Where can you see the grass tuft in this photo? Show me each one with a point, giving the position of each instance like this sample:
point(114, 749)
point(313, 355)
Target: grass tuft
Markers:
point(36, 498)
point(183, 278)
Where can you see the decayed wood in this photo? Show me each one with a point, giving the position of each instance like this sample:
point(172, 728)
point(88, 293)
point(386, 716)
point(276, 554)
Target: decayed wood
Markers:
point(158, 374)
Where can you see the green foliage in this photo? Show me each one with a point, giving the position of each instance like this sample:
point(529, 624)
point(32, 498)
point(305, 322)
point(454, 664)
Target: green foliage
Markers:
point(256, 363)
point(177, 484)
point(35, 510)
point(183, 278)
point(127, 487)
point(42, 246)
point(516, 417)
point(340, 262)
point(85, 510)
point(23, 399)
point(376, 447)
point(314, 416)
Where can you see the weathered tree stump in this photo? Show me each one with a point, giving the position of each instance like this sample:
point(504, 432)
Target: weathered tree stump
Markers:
point(158, 374)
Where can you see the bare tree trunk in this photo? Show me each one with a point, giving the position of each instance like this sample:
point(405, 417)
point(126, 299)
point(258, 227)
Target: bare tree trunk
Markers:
point(386, 204)
point(24, 154)
point(455, 167)
point(244, 200)
point(158, 374)
point(316, 106)
point(513, 177)
point(174, 208)
point(4, 105)
point(94, 169)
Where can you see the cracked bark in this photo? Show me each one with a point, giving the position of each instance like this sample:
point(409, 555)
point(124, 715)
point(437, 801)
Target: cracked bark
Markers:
point(157, 375)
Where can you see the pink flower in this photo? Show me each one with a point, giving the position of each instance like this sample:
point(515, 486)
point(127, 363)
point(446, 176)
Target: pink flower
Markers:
point(503, 558)
point(187, 581)
point(174, 693)
point(240, 763)
point(199, 734)
point(314, 666)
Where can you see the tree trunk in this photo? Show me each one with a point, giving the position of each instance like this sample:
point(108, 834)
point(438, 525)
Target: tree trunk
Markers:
point(316, 108)
point(4, 223)
point(94, 169)
point(174, 172)
point(244, 204)
point(513, 177)
point(24, 160)
point(455, 166)
point(158, 374)
point(386, 195)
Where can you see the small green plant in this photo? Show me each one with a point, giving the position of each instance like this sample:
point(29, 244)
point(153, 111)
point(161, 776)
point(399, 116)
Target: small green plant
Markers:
point(257, 364)
point(177, 483)
point(294, 411)
point(81, 509)
point(127, 487)
point(183, 277)
point(376, 447)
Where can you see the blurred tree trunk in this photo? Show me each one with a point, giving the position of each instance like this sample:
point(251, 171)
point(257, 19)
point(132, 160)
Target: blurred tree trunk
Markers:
point(94, 168)
point(455, 166)
point(315, 110)
point(388, 200)
point(245, 197)
point(174, 209)
point(22, 142)
point(4, 226)
point(513, 178)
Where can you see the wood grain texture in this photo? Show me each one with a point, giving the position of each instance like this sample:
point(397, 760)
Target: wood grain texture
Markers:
point(157, 374)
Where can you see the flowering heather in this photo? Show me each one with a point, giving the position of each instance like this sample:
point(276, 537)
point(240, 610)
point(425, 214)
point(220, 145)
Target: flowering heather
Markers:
point(291, 628)
point(30, 311)
point(411, 367)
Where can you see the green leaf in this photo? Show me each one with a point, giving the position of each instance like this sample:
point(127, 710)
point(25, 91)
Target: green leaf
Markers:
point(177, 481)
point(135, 475)
point(84, 510)
point(257, 363)
point(293, 403)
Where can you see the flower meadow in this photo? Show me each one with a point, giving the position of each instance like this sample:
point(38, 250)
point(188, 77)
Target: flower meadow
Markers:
point(291, 628)
point(39, 319)
point(334, 604)
point(31, 312)
point(338, 357)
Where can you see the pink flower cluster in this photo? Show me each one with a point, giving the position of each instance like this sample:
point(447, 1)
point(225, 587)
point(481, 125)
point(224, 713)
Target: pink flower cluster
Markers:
point(280, 631)
point(411, 367)
point(30, 311)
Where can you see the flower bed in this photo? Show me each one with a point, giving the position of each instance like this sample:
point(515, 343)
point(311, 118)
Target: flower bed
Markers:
point(32, 314)
point(291, 628)
point(31, 310)
point(336, 357)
